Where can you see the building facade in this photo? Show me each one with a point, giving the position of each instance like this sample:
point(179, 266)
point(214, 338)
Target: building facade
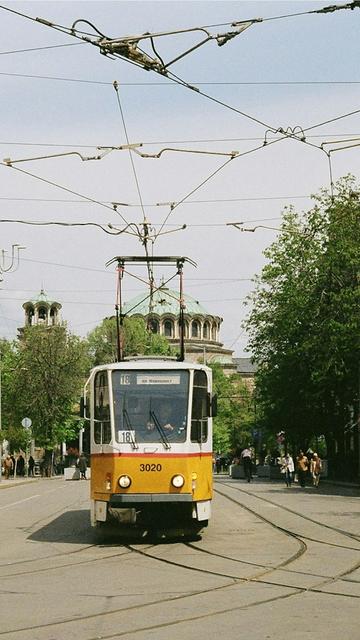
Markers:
point(42, 311)
point(202, 329)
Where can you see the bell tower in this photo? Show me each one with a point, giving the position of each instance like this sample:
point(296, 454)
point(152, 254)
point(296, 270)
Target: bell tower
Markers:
point(42, 311)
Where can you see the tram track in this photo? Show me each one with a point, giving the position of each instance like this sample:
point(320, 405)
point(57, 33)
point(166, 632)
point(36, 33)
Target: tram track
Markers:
point(347, 534)
point(327, 580)
point(257, 577)
point(234, 580)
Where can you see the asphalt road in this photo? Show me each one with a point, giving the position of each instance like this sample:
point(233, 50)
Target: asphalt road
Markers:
point(275, 563)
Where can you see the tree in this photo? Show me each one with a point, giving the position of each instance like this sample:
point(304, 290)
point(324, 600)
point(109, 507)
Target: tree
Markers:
point(304, 324)
point(137, 340)
point(234, 424)
point(50, 365)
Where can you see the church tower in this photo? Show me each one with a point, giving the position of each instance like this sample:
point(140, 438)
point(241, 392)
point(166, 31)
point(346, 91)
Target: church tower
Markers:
point(42, 311)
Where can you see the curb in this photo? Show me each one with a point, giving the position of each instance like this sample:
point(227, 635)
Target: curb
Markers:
point(14, 483)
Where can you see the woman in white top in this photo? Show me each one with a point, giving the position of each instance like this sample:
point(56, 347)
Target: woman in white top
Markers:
point(287, 468)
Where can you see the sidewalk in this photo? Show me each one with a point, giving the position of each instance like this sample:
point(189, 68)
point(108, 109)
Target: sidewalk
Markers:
point(13, 482)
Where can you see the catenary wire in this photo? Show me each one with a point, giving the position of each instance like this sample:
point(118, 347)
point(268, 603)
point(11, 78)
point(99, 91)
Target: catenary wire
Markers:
point(173, 85)
point(54, 46)
point(153, 142)
point(328, 9)
point(58, 186)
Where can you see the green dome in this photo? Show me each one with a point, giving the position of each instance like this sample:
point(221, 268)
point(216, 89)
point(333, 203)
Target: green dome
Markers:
point(165, 301)
point(42, 299)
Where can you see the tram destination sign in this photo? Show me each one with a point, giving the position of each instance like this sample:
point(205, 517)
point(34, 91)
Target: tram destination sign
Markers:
point(150, 379)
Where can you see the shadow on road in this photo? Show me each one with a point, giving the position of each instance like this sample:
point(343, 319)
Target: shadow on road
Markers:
point(73, 527)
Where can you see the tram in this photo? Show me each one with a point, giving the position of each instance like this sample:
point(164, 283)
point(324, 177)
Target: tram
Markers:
point(150, 424)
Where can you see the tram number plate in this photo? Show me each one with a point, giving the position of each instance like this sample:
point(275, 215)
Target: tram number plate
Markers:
point(150, 467)
point(126, 437)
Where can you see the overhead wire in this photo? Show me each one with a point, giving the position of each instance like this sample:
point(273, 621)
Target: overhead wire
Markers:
point(173, 85)
point(214, 173)
point(113, 232)
point(326, 9)
point(153, 142)
point(329, 9)
point(54, 46)
point(58, 186)
point(144, 238)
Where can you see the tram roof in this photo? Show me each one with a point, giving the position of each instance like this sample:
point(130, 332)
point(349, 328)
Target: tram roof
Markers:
point(151, 362)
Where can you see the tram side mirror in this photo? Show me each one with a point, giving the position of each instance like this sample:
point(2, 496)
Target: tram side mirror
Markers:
point(211, 405)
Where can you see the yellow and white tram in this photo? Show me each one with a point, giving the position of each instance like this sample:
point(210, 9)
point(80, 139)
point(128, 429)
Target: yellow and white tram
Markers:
point(151, 443)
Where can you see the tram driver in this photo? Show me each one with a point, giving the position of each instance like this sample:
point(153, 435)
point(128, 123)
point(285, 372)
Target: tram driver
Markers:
point(163, 415)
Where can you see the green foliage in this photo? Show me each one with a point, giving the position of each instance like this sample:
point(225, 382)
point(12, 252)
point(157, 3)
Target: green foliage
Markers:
point(235, 420)
point(45, 381)
point(135, 337)
point(305, 324)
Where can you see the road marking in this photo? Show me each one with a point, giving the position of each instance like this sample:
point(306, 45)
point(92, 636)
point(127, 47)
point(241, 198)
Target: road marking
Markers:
point(19, 502)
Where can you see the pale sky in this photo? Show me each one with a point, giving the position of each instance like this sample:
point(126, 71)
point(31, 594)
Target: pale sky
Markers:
point(291, 72)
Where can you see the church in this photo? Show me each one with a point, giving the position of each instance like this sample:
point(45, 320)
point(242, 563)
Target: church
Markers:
point(202, 329)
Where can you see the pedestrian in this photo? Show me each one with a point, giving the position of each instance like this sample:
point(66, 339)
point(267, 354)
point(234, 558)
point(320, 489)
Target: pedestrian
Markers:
point(31, 466)
point(20, 465)
point(82, 466)
point(13, 468)
point(302, 465)
point(287, 468)
point(8, 467)
point(246, 456)
point(218, 463)
point(315, 469)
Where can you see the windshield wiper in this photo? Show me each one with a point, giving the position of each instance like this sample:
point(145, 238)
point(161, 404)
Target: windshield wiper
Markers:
point(161, 431)
point(126, 418)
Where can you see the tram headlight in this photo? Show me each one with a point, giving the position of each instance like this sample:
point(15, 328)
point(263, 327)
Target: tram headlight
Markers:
point(124, 482)
point(177, 481)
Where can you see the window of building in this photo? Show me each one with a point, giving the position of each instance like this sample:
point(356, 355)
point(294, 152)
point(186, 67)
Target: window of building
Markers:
point(168, 328)
point(153, 326)
point(206, 330)
point(195, 329)
point(213, 332)
point(53, 315)
point(42, 313)
point(30, 315)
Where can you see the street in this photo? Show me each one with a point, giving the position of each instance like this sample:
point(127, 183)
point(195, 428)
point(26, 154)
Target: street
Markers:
point(274, 563)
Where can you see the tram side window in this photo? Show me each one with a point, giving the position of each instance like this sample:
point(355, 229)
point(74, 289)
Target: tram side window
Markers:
point(102, 427)
point(199, 411)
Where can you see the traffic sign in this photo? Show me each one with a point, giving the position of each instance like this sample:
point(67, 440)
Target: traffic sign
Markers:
point(26, 423)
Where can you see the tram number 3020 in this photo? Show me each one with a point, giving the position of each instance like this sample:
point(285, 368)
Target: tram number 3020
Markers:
point(150, 467)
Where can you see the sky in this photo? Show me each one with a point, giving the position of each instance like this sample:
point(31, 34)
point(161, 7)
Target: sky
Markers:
point(295, 73)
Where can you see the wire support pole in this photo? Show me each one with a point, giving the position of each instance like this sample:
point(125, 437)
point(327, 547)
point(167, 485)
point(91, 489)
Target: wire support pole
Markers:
point(181, 357)
point(119, 313)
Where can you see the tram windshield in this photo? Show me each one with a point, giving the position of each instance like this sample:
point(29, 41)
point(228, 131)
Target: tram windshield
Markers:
point(150, 406)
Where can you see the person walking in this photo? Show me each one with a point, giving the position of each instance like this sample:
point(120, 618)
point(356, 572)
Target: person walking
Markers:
point(302, 465)
point(8, 467)
point(31, 465)
point(20, 465)
point(287, 468)
point(315, 469)
point(82, 466)
point(246, 456)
